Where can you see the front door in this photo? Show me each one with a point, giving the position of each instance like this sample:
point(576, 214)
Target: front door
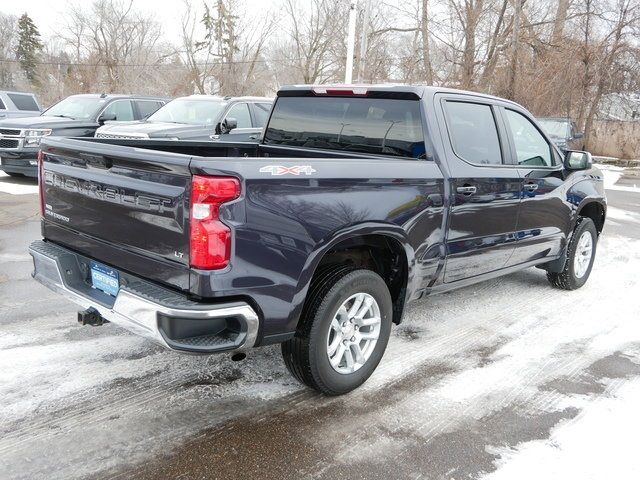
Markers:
point(544, 216)
point(485, 189)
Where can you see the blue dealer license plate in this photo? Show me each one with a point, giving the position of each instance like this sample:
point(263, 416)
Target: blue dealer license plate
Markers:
point(105, 278)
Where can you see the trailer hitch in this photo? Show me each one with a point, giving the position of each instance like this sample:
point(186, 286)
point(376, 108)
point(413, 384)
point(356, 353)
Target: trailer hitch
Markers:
point(92, 317)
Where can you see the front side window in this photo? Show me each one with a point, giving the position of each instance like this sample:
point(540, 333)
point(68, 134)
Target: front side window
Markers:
point(473, 132)
point(122, 109)
point(355, 124)
point(531, 147)
point(240, 111)
point(2, 107)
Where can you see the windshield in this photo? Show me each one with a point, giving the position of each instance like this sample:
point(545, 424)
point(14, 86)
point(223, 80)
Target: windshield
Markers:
point(367, 125)
point(189, 111)
point(555, 128)
point(77, 107)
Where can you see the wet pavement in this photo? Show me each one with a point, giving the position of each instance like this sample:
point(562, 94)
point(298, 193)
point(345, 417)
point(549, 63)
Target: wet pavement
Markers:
point(505, 379)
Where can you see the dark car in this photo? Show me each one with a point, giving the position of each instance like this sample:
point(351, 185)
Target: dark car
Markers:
point(75, 116)
point(199, 117)
point(563, 132)
point(357, 201)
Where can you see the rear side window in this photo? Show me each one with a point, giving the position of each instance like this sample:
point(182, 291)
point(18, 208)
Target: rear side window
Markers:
point(2, 107)
point(23, 102)
point(355, 124)
point(531, 147)
point(240, 111)
point(261, 111)
point(147, 107)
point(473, 132)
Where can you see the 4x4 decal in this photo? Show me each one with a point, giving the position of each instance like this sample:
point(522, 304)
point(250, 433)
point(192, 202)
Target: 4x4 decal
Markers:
point(294, 170)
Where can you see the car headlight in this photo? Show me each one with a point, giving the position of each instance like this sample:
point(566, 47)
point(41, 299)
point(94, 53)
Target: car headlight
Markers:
point(32, 137)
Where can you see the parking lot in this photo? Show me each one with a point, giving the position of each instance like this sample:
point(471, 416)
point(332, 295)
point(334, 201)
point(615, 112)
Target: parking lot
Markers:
point(507, 379)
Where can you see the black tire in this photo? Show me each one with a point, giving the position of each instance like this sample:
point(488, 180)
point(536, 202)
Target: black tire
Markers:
point(567, 279)
point(14, 174)
point(306, 356)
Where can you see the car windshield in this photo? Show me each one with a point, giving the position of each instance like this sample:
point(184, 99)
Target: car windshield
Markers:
point(555, 128)
point(77, 107)
point(189, 111)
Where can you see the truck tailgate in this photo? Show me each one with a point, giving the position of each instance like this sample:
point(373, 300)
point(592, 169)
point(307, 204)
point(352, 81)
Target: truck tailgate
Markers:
point(119, 205)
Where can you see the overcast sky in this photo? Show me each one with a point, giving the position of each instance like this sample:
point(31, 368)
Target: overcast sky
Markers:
point(49, 15)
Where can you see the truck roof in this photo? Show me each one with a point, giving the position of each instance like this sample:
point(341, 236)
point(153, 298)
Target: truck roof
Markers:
point(420, 91)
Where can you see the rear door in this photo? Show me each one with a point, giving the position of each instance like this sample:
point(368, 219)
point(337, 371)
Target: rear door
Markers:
point(126, 207)
point(145, 108)
point(485, 187)
point(544, 215)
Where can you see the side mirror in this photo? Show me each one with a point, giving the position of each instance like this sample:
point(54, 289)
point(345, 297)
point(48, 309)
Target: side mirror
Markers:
point(229, 124)
point(107, 117)
point(578, 135)
point(576, 160)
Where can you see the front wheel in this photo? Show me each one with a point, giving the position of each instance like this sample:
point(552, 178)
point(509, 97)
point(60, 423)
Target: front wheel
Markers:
point(581, 253)
point(343, 331)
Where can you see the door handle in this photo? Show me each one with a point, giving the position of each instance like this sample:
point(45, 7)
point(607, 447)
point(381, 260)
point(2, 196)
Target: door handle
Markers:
point(530, 187)
point(466, 190)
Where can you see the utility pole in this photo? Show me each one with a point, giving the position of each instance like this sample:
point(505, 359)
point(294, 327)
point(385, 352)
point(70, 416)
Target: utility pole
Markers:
point(513, 74)
point(364, 38)
point(351, 40)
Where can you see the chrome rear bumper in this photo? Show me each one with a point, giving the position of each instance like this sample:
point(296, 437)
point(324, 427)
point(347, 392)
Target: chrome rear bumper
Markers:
point(146, 309)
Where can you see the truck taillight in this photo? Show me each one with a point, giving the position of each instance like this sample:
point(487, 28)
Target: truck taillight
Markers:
point(210, 242)
point(41, 180)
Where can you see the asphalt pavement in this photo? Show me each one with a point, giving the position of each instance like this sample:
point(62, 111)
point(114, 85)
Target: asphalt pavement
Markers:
point(507, 379)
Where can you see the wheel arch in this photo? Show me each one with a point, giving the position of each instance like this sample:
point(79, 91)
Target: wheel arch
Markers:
point(350, 246)
point(595, 210)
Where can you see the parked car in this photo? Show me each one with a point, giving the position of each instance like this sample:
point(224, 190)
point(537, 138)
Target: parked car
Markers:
point(18, 104)
point(75, 116)
point(357, 201)
point(199, 117)
point(563, 132)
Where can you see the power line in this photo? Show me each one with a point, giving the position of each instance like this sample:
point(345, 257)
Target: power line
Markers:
point(154, 65)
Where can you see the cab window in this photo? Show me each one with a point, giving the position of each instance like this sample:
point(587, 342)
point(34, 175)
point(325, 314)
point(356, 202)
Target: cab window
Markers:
point(473, 132)
point(531, 147)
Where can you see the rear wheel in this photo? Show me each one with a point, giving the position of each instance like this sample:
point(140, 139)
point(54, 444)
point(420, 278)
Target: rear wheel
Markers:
point(343, 331)
point(581, 253)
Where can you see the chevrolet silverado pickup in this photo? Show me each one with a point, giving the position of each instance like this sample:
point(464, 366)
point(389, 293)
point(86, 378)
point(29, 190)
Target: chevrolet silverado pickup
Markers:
point(356, 201)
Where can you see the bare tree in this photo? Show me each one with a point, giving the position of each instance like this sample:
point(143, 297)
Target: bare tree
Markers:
point(313, 49)
point(7, 49)
point(115, 36)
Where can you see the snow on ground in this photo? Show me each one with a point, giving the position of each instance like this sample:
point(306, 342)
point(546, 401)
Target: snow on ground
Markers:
point(100, 396)
point(602, 442)
point(612, 174)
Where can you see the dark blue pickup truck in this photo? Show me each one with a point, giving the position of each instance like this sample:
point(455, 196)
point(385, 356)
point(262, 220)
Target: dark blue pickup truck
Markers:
point(356, 201)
